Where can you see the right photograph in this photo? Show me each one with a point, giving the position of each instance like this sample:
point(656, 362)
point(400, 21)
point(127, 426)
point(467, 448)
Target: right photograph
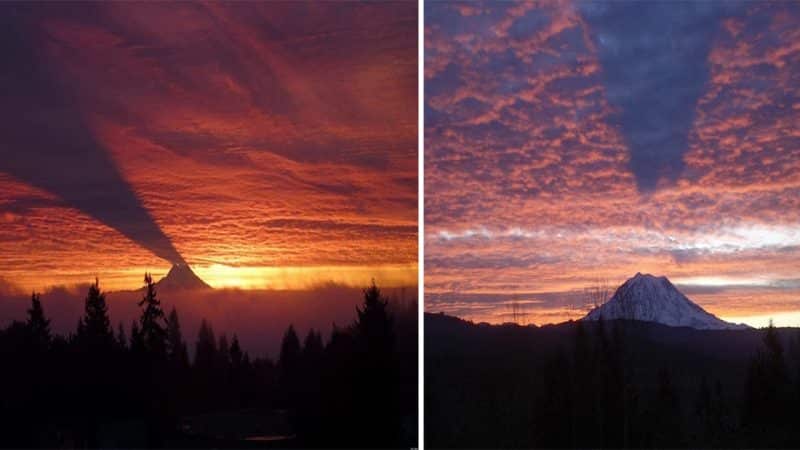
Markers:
point(612, 224)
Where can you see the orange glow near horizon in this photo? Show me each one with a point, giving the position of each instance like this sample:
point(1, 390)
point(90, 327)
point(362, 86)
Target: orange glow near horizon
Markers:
point(273, 147)
point(227, 277)
point(302, 278)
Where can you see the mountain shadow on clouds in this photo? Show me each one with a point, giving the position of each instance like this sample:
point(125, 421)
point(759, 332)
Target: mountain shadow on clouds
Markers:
point(654, 61)
point(45, 141)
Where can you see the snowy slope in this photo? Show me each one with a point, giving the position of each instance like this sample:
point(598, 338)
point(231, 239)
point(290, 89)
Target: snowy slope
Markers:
point(655, 299)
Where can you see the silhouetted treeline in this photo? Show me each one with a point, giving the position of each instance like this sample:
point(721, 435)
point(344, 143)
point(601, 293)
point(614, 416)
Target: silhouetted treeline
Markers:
point(137, 386)
point(610, 384)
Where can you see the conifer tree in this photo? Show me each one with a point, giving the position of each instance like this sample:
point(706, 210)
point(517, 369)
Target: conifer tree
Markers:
point(374, 339)
point(94, 329)
point(374, 324)
point(312, 346)
point(38, 326)
point(289, 364)
point(177, 352)
point(290, 350)
point(205, 348)
point(767, 387)
point(153, 327)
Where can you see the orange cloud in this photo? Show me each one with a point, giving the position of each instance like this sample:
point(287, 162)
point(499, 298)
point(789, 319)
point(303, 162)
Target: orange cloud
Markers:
point(257, 136)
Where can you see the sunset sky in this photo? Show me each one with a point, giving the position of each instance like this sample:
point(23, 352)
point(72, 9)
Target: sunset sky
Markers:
point(268, 145)
point(572, 142)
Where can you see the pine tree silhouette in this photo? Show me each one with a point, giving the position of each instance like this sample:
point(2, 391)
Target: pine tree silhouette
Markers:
point(767, 390)
point(38, 326)
point(374, 324)
point(374, 329)
point(153, 324)
point(94, 329)
point(290, 349)
point(312, 347)
point(205, 348)
point(289, 364)
point(177, 353)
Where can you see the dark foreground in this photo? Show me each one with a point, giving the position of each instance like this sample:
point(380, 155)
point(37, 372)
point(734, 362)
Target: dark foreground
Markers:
point(609, 384)
point(97, 387)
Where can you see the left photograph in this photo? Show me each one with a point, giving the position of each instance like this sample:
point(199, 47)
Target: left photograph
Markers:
point(208, 225)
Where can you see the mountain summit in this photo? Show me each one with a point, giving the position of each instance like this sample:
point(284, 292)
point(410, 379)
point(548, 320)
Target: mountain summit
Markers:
point(655, 299)
point(181, 277)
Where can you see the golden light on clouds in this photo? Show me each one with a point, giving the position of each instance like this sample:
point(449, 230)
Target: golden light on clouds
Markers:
point(300, 278)
point(272, 147)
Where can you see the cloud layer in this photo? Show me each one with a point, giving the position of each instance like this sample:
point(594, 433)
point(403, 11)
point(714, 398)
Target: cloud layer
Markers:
point(251, 135)
point(557, 153)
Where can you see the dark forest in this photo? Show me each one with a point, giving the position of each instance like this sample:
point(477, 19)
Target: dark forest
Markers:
point(143, 386)
point(610, 384)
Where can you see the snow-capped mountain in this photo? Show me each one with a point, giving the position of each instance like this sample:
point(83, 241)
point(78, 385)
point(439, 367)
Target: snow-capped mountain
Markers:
point(655, 299)
point(181, 277)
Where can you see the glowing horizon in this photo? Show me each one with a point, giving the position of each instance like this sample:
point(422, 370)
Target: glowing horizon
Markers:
point(246, 278)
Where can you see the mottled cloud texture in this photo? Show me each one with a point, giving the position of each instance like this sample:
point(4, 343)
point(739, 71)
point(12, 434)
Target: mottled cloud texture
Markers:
point(570, 142)
point(267, 144)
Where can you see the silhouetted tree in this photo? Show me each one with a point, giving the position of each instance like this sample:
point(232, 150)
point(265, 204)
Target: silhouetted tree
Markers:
point(206, 348)
point(289, 364)
point(374, 325)
point(376, 371)
point(38, 326)
point(94, 330)
point(95, 344)
point(309, 414)
point(340, 390)
point(290, 349)
point(312, 348)
point(342, 394)
point(177, 353)
point(767, 391)
point(153, 325)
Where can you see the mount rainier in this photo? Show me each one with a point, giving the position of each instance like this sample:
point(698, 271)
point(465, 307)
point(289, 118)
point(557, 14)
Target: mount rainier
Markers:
point(655, 299)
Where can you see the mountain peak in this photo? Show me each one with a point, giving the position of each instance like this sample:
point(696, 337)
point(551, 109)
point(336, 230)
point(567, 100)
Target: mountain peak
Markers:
point(646, 277)
point(650, 298)
point(181, 277)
